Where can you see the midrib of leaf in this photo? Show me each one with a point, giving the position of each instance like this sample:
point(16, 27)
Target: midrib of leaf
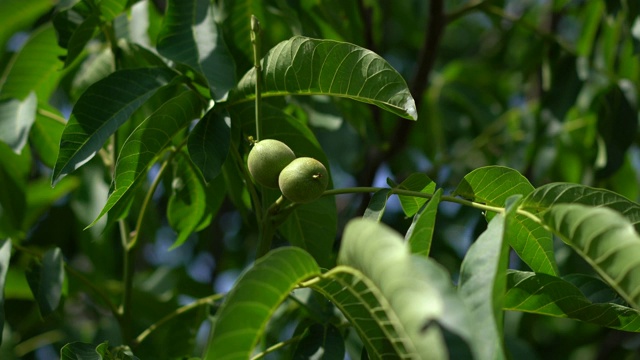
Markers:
point(583, 251)
point(393, 320)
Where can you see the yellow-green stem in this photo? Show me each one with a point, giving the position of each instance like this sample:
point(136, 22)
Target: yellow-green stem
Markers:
point(255, 42)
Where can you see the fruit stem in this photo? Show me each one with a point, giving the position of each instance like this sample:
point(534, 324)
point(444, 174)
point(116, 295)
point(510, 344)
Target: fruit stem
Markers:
point(255, 42)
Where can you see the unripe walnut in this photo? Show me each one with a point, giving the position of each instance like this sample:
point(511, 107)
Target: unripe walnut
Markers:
point(266, 159)
point(303, 180)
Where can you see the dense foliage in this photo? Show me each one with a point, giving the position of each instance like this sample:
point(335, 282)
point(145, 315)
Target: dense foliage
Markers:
point(482, 162)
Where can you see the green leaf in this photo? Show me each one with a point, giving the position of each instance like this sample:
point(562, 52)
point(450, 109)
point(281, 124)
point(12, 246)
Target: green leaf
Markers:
point(5, 257)
point(101, 109)
point(482, 286)
point(80, 38)
point(419, 183)
point(254, 298)
point(610, 245)
point(36, 68)
point(553, 194)
point(305, 66)
point(237, 28)
point(46, 133)
point(147, 141)
point(13, 177)
point(84, 351)
point(15, 16)
point(45, 280)
point(544, 294)
point(209, 143)
point(189, 35)
point(16, 118)
point(420, 233)
point(79, 351)
point(109, 9)
point(385, 293)
point(313, 227)
point(377, 204)
point(492, 185)
point(187, 203)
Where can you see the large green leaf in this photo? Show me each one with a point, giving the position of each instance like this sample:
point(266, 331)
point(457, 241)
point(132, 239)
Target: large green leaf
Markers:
point(45, 280)
point(99, 112)
point(147, 141)
point(564, 193)
point(549, 295)
point(36, 68)
point(189, 35)
point(482, 286)
point(254, 298)
point(209, 143)
point(386, 293)
point(605, 239)
point(16, 118)
point(5, 256)
point(492, 185)
point(305, 66)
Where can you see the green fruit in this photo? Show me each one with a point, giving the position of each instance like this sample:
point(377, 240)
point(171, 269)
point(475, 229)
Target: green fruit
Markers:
point(303, 180)
point(266, 159)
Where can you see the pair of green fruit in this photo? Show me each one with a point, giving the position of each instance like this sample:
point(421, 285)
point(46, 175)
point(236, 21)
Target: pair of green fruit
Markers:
point(273, 164)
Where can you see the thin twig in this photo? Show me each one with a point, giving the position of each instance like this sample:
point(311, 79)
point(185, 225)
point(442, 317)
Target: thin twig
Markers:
point(200, 302)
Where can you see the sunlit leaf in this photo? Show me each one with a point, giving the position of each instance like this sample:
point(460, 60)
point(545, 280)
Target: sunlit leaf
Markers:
point(420, 233)
point(209, 143)
point(15, 16)
point(45, 280)
point(250, 304)
point(304, 66)
point(549, 295)
point(189, 35)
point(610, 245)
point(492, 185)
point(101, 109)
point(36, 68)
point(5, 256)
point(16, 118)
point(482, 286)
point(147, 141)
point(565, 193)
point(386, 293)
